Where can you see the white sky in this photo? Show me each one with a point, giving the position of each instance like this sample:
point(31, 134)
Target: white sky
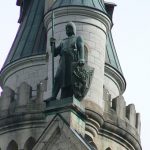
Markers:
point(131, 33)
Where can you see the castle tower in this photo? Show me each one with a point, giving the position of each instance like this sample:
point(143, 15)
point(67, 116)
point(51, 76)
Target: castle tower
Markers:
point(101, 120)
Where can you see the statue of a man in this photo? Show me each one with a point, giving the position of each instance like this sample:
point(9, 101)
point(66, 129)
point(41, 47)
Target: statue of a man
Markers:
point(71, 49)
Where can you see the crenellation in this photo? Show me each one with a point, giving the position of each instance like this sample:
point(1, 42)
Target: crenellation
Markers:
point(127, 116)
point(7, 97)
point(131, 114)
point(119, 104)
point(41, 88)
point(107, 99)
point(22, 100)
point(138, 123)
point(24, 94)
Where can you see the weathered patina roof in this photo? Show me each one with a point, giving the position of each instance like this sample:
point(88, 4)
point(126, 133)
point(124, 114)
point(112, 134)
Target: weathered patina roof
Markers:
point(31, 37)
point(111, 55)
point(96, 4)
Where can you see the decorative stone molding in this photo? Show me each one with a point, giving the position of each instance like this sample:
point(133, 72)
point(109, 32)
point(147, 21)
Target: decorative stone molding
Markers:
point(16, 66)
point(116, 77)
point(78, 11)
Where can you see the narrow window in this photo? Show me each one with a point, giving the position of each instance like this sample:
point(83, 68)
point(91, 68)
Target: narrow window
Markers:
point(29, 144)
point(108, 148)
point(12, 145)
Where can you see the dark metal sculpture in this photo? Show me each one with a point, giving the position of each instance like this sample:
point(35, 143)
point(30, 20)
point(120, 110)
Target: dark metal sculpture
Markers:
point(73, 76)
point(81, 79)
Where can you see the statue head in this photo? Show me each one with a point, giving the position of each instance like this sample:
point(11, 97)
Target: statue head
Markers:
point(70, 29)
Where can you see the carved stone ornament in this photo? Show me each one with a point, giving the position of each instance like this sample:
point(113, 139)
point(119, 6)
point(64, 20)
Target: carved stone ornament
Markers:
point(81, 79)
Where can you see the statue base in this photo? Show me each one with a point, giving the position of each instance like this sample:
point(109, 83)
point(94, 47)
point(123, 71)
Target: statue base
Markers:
point(70, 109)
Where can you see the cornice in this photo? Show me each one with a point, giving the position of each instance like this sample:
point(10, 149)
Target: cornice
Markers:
point(116, 77)
point(80, 11)
point(20, 64)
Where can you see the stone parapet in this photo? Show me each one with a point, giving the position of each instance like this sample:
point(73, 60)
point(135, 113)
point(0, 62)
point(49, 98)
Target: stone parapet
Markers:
point(25, 102)
point(119, 123)
point(117, 110)
point(21, 114)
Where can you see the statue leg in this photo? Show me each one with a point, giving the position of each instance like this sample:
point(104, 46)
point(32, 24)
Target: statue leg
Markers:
point(66, 92)
point(55, 89)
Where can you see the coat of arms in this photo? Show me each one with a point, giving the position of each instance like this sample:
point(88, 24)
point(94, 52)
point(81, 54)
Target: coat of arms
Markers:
point(81, 79)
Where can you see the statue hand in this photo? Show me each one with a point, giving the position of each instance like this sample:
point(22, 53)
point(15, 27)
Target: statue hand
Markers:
point(81, 62)
point(52, 41)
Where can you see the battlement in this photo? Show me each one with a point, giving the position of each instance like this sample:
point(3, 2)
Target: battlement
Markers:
point(24, 99)
point(117, 111)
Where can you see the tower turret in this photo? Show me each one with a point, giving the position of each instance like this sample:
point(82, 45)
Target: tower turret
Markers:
point(101, 120)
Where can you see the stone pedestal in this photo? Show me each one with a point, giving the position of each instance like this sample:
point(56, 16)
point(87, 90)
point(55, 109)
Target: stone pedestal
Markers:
point(72, 111)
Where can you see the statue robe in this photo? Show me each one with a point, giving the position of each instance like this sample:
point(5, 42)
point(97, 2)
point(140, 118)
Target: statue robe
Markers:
point(70, 50)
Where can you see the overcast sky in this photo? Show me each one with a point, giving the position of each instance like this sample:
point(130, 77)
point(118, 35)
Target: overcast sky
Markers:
point(131, 33)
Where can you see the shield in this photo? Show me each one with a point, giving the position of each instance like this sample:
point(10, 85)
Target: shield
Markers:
point(81, 79)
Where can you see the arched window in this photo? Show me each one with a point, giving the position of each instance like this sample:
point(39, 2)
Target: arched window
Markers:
point(108, 148)
point(12, 145)
point(29, 143)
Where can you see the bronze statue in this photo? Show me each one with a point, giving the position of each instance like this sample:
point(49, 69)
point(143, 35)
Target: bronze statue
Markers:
point(71, 50)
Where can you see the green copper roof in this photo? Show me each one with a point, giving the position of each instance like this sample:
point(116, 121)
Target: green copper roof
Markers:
point(96, 4)
point(31, 37)
point(111, 55)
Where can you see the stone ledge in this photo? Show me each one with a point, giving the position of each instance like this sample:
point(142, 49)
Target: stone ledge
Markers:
point(22, 121)
point(116, 77)
point(76, 10)
point(63, 105)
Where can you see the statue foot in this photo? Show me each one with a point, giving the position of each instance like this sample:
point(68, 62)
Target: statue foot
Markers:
point(52, 98)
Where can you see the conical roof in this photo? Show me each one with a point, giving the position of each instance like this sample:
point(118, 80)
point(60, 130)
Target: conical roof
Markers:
point(111, 55)
point(31, 37)
point(95, 4)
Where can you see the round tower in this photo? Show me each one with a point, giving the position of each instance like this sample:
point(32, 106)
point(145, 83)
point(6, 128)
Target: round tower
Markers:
point(102, 117)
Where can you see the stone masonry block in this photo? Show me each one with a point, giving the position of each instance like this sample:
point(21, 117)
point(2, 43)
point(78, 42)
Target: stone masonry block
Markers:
point(24, 94)
point(6, 98)
point(86, 35)
point(107, 99)
point(41, 88)
point(131, 114)
point(119, 105)
point(138, 123)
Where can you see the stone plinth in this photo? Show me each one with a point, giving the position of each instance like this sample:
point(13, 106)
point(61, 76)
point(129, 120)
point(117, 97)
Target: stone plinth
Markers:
point(72, 111)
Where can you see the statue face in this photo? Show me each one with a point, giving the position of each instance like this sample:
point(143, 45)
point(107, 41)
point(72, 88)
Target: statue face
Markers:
point(69, 31)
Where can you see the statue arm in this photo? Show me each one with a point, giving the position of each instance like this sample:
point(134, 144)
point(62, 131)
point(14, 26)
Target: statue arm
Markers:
point(80, 48)
point(57, 50)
